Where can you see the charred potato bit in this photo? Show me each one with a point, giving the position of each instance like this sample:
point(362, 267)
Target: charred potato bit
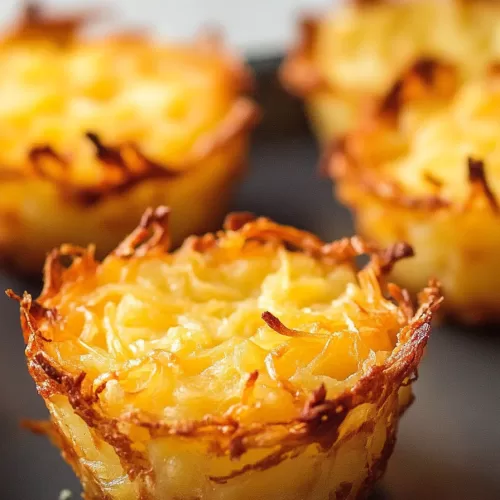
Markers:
point(426, 169)
point(345, 61)
point(254, 363)
point(94, 130)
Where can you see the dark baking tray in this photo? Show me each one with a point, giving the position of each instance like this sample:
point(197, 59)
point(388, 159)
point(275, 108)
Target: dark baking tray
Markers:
point(449, 441)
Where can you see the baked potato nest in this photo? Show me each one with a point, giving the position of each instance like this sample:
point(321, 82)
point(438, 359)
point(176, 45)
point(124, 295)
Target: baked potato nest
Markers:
point(383, 340)
point(95, 126)
point(423, 166)
point(344, 61)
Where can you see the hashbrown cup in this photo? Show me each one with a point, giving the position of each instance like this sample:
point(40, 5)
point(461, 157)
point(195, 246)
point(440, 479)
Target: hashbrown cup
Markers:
point(425, 168)
point(173, 375)
point(348, 58)
point(95, 129)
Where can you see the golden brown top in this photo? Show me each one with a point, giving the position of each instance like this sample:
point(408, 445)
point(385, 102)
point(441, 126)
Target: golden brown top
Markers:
point(362, 47)
point(432, 141)
point(245, 325)
point(90, 112)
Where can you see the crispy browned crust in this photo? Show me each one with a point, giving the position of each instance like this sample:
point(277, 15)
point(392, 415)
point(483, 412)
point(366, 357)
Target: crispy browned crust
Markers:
point(124, 165)
point(320, 418)
point(301, 76)
point(479, 184)
point(341, 163)
point(150, 235)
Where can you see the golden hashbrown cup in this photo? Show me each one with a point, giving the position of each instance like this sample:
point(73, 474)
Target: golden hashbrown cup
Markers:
point(254, 363)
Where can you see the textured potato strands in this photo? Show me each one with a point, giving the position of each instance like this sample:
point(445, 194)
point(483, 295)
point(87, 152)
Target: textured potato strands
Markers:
point(422, 165)
point(141, 229)
point(319, 417)
point(56, 381)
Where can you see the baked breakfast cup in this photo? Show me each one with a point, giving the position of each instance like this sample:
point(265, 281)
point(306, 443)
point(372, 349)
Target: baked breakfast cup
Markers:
point(347, 59)
point(95, 130)
point(425, 168)
point(253, 363)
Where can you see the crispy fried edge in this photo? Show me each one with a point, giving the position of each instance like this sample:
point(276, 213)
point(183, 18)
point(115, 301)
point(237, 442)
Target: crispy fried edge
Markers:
point(122, 173)
point(320, 418)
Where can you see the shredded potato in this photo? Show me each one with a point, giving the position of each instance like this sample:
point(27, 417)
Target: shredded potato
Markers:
point(261, 343)
point(356, 52)
point(179, 335)
point(93, 130)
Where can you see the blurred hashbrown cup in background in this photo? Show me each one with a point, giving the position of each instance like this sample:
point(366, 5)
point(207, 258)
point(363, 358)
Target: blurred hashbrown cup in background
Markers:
point(96, 129)
point(425, 168)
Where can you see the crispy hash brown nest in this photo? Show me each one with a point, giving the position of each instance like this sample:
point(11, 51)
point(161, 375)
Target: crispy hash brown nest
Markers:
point(425, 167)
point(254, 363)
point(347, 59)
point(96, 129)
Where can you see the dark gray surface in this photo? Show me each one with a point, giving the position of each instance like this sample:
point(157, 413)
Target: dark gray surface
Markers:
point(449, 441)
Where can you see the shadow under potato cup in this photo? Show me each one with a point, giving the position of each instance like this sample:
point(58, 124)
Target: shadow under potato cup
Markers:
point(96, 129)
point(257, 362)
point(347, 59)
point(425, 168)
